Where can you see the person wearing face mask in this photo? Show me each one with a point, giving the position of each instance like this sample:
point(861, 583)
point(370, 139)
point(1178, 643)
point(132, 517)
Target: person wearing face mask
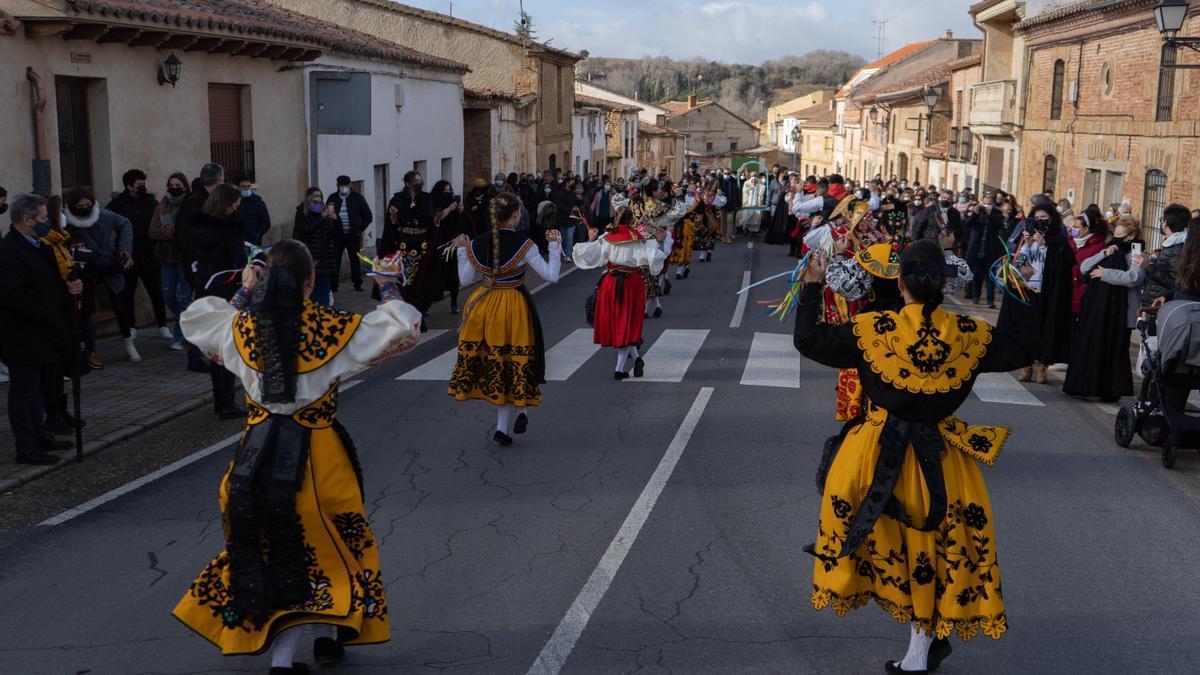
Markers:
point(35, 309)
point(1088, 237)
point(355, 216)
point(109, 237)
point(601, 207)
point(410, 231)
point(1099, 365)
point(176, 279)
point(137, 205)
point(567, 201)
point(317, 226)
point(452, 223)
point(1161, 269)
point(253, 211)
point(3, 201)
point(218, 245)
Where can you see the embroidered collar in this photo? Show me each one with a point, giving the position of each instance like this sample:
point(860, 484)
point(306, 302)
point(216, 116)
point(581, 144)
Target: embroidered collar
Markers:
point(881, 260)
point(918, 354)
point(324, 333)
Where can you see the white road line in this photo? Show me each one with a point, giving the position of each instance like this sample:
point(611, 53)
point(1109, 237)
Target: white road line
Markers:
point(432, 334)
point(560, 278)
point(567, 356)
point(672, 354)
point(1003, 388)
point(125, 489)
point(773, 362)
point(740, 309)
point(439, 368)
point(749, 244)
point(558, 649)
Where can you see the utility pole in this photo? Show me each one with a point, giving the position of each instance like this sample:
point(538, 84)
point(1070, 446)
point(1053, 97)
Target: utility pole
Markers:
point(880, 35)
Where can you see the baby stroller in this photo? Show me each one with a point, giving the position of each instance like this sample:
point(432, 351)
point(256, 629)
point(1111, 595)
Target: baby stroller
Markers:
point(1168, 359)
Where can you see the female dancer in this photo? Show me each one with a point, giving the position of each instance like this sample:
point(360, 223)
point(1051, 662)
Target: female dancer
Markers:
point(621, 297)
point(905, 516)
point(298, 549)
point(501, 356)
point(705, 221)
point(684, 235)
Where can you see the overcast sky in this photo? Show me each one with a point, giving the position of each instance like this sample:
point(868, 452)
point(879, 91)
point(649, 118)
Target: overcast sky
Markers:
point(741, 31)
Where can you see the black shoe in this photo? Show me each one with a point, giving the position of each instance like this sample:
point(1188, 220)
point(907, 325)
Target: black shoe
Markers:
point(938, 652)
point(645, 315)
point(296, 669)
point(40, 458)
point(686, 272)
point(197, 366)
point(991, 305)
point(1109, 399)
point(894, 667)
point(502, 438)
point(57, 426)
point(358, 287)
point(521, 424)
point(657, 312)
point(69, 419)
point(618, 375)
point(49, 444)
point(677, 276)
point(424, 326)
point(639, 367)
point(327, 651)
point(453, 309)
point(231, 413)
point(667, 288)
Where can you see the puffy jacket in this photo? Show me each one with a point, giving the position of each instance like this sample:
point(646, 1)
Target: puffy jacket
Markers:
point(255, 218)
point(1160, 274)
point(321, 235)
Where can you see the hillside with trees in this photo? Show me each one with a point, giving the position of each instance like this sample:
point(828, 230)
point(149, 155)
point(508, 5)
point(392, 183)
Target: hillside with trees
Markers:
point(743, 89)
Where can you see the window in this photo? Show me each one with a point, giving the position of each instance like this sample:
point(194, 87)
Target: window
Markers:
point(558, 72)
point(1091, 188)
point(448, 169)
point(967, 150)
point(732, 146)
point(1113, 183)
point(1056, 91)
point(1153, 201)
point(228, 145)
point(1166, 84)
point(954, 151)
point(708, 146)
point(1106, 79)
point(421, 167)
point(1049, 174)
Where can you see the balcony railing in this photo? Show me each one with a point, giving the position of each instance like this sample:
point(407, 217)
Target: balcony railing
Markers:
point(994, 104)
point(236, 156)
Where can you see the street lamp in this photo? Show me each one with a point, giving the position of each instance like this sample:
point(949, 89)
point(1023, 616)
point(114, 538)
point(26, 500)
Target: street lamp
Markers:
point(1170, 15)
point(873, 114)
point(931, 96)
point(168, 70)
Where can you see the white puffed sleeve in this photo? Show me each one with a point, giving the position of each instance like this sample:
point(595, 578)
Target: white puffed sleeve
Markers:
point(207, 323)
point(678, 210)
point(654, 256)
point(547, 270)
point(393, 327)
point(590, 254)
point(466, 271)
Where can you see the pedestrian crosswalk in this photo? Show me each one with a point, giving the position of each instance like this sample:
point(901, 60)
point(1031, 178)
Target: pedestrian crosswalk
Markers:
point(772, 362)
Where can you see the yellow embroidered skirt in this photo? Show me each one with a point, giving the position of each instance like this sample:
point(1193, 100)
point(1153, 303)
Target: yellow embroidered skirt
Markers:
point(342, 561)
point(681, 252)
point(498, 350)
point(946, 580)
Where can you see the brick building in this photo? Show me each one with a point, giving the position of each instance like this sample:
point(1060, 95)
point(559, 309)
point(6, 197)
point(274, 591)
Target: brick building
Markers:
point(1102, 121)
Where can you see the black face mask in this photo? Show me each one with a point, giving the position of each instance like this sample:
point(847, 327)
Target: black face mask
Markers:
point(140, 191)
point(175, 191)
point(3, 209)
point(945, 203)
point(81, 213)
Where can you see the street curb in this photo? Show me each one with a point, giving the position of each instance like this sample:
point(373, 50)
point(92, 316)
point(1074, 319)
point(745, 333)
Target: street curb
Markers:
point(112, 438)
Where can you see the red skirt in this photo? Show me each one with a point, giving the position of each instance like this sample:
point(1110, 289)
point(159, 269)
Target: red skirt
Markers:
point(620, 307)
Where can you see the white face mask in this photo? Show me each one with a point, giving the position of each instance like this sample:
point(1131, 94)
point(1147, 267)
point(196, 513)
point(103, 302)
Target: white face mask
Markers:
point(607, 187)
point(1108, 214)
point(344, 190)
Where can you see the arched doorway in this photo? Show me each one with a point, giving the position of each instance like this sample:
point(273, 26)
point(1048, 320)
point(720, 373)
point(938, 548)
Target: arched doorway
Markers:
point(902, 162)
point(553, 163)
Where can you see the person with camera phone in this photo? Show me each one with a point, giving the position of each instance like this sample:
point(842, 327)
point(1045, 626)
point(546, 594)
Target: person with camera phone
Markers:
point(109, 238)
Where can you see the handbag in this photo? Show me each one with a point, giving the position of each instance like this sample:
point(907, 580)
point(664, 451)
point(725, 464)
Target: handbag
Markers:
point(589, 304)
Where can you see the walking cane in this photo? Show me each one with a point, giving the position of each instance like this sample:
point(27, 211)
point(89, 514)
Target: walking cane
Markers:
point(76, 389)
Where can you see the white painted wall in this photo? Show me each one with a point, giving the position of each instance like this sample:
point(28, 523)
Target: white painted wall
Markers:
point(587, 130)
point(649, 112)
point(427, 128)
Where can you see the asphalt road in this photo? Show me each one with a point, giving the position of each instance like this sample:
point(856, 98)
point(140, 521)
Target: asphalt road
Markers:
point(653, 526)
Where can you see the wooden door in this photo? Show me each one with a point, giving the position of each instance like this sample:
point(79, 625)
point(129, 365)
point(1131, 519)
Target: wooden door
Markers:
point(74, 145)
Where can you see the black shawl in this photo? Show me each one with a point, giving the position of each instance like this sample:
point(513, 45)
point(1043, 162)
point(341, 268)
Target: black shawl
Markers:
point(781, 223)
point(1053, 304)
point(1100, 366)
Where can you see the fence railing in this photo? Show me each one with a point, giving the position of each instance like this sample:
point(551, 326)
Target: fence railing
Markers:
point(235, 156)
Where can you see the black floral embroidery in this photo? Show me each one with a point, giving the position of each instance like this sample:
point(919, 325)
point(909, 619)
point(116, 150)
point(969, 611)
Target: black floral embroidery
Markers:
point(923, 573)
point(884, 323)
point(975, 517)
point(841, 507)
point(966, 324)
point(980, 443)
point(353, 529)
point(929, 353)
point(368, 596)
point(321, 332)
point(496, 371)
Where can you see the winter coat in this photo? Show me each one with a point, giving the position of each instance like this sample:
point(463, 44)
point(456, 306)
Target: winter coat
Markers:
point(356, 208)
point(162, 231)
point(322, 236)
point(138, 211)
point(35, 307)
point(564, 201)
point(1160, 274)
point(1091, 247)
point(219, 246)
point(1131, 279)
point(255, 218)
point(983, 231)
point(107, 235)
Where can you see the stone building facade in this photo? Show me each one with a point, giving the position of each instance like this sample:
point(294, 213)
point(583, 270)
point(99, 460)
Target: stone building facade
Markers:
point(1102, 124)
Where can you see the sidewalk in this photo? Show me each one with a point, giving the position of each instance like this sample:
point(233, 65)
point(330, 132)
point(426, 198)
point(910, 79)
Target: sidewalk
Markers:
point(125, 399)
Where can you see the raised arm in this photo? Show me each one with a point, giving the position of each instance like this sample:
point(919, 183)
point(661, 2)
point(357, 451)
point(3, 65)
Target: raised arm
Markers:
point(1015, 339)
point(547, 270)
point(832, 346)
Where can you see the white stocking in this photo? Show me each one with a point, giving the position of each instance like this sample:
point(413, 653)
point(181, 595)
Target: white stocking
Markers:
point(283, 650)
point(622, 358)
point(648, 301)
point(324, 630)
point(504, 419)
point(918, 650)
point(633, 352)
point(657, 303)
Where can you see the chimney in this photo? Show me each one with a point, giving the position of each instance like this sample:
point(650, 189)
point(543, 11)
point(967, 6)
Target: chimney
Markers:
point(691, 101)
point(949, 35)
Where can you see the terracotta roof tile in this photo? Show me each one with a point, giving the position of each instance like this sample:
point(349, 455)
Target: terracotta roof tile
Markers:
point(647, 129)
point(894, 57)
point(593, 102)
point(679, 107)
point(823, 118)
point(257, 19)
